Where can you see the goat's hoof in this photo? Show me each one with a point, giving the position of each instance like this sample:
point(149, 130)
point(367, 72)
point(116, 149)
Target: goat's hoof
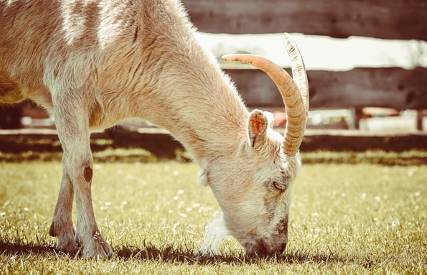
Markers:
point(97, 247)
point(66, 239)
point(67, 245)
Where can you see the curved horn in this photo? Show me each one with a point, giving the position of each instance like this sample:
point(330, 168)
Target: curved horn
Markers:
point(298, 70)
point(294, 92)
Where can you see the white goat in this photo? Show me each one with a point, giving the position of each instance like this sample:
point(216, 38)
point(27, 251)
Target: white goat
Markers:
point(95, 62)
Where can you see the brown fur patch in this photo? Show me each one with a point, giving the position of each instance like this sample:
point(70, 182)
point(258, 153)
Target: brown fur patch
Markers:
point(88, 173)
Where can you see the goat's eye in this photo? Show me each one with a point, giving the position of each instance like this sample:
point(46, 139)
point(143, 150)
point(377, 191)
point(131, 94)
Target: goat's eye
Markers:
point(278, 186)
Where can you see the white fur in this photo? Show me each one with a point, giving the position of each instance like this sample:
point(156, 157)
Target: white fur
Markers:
point(93, 63)
point(215, 232)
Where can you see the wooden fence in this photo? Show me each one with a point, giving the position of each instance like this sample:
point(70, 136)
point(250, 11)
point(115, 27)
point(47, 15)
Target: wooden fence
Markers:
point(361, 87)
point(389, 19)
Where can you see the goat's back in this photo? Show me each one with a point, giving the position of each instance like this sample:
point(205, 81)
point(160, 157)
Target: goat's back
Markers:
point(45, 40)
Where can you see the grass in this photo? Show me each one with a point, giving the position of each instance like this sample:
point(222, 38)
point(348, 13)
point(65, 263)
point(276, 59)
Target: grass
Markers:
point(355, 217)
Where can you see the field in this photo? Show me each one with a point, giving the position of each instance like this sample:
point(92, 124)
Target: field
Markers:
point(350, 214)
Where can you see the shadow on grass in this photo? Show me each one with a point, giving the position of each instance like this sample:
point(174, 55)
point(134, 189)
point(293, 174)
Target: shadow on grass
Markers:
point(361, 159)
point(187, 256)
point(10, 248)
point(175, 255)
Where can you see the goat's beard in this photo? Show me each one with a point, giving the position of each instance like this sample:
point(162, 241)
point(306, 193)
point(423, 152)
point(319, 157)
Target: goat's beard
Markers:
point(215, 232)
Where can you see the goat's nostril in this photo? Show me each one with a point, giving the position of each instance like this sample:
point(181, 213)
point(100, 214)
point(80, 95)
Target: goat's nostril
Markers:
point(262, 249)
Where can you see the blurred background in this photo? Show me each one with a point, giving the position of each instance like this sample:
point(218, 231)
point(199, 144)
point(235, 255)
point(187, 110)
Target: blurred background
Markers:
point(366, 62)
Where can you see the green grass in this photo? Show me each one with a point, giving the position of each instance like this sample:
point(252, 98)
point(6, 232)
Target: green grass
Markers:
point(347, 218)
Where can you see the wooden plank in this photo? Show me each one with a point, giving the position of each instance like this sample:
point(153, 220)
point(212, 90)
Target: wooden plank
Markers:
point(43, 140)
point(360, 141)
point(390, 19)
point(362, 87)
point(161, 144)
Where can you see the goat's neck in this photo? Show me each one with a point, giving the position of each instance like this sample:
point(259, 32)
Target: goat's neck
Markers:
point(203, 111)
point(191, 96)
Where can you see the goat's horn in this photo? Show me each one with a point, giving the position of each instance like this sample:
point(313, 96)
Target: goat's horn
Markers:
point(294, 92)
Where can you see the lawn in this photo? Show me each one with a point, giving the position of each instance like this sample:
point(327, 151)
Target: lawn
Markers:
point(350, 216)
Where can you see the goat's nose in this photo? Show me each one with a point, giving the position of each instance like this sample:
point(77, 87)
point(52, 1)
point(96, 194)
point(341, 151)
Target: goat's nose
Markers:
point(258, 249)
point(262, 248)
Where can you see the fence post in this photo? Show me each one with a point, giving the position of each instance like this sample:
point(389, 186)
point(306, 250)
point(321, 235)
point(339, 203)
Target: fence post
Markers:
point(420, 116)
point(357, 116)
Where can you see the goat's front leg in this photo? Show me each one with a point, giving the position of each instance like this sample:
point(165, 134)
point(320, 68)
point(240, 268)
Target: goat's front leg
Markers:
point(62, 223)
point(73, 130)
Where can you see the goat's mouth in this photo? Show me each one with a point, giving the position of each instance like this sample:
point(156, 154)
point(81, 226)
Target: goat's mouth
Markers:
point(261, 248)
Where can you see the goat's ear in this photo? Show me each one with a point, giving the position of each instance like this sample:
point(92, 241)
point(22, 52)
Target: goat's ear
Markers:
point(257, 127)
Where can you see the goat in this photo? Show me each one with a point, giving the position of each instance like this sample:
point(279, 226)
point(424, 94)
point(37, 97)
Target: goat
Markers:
point(93, 63)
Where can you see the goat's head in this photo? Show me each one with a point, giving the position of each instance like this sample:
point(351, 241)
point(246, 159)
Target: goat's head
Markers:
point(253, 186)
